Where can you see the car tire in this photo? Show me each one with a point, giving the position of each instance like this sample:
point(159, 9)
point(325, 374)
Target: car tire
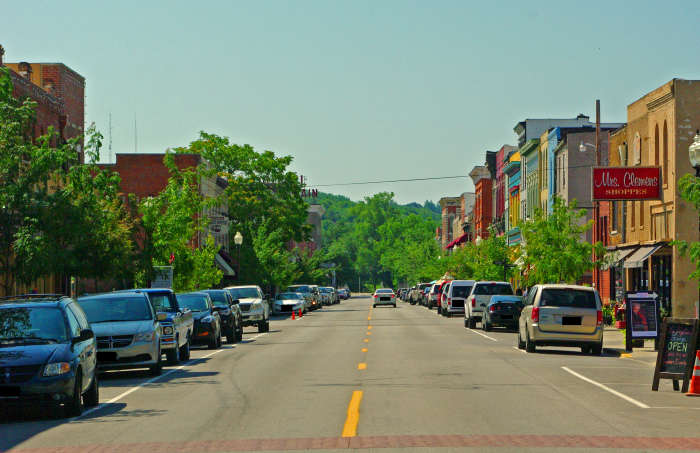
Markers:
point(466, 323)
point(239, 334)
point(156, 369)
point(230, 336)
point(597, 349)
point(585, 349)
point(529, 344)
point(394, 305)
point(173, 355)
point(185, 351)
point(212, 343)
point(374, 306)
point(486, 326)
point(263, 326)
point(472, 323)
point(74, 407)
point(521, 343)
point(439, 311)
point(92, 396)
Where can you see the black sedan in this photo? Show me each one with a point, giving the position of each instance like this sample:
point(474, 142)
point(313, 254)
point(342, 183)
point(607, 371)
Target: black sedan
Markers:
point(231, 317)
point(47, 353)
point(502, 311)
point(207, 321)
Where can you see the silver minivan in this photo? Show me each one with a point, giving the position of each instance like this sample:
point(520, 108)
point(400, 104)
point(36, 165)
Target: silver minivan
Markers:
point(561, 315)
point(457, 295)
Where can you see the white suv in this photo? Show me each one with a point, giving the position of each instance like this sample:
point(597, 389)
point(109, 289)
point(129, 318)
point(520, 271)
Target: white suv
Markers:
point(480, 297)
point(254, 307)
point(456, 297)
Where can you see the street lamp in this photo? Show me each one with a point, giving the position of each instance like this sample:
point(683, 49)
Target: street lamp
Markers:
point(238, 240)
point(694, 153)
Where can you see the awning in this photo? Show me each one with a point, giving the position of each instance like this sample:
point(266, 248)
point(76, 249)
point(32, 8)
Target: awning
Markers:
point(638, 257)
point(224, 265)
point(460, 240)
point(616, 256)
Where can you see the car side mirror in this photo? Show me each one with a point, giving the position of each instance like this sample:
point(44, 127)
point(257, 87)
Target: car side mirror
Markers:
point(161, 317)
point(85, 334)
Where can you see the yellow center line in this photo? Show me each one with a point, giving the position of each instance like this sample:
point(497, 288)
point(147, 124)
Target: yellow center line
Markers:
point(369, 327)
point(364, 349)
point(353, 418)
point(366, 340)
point(361, 366)
point(369, 333)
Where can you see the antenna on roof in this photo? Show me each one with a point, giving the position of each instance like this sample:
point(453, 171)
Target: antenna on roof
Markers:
point(109, 148)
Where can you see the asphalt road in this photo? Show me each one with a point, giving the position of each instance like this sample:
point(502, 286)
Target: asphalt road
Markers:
point(350, 376)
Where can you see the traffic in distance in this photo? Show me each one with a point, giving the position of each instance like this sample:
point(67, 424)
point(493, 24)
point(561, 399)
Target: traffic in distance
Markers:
point(53, 348)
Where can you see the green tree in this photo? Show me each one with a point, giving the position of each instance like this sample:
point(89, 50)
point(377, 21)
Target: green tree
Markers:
point(169, 224)
point(58, 216)
point(689, 188)
point(555, 248)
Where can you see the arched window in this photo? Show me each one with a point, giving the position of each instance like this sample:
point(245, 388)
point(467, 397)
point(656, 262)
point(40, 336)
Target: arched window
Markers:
point(656, 145)
point(664, 163)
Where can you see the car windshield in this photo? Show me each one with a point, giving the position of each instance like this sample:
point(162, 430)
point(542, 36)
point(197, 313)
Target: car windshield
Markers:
point(326, 290)
point(461, 291)
point(493, 289)
point(218, 299)
point(300, 289)
point(121, 308)
point(289, 296)
point(194, 302)
point(27, 325)
point(552, 297)
point(244, 293)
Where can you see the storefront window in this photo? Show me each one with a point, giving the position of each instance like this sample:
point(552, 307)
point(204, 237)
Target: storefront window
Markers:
point(661, 281)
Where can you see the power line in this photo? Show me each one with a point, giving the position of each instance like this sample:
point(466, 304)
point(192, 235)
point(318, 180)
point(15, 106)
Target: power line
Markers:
point(388, 180)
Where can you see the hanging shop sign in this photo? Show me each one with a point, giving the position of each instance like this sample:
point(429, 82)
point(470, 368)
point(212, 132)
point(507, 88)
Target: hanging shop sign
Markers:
point(626, 183)
point(677, 346)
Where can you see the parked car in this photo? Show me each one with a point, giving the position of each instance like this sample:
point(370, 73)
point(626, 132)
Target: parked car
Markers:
point(177, 328)
point(207, 321)
point(327, 295)
point(424, 295)
point(480, 297)
point(308, 292)
point(561, 315)
point(456, 295)
point(502, 311)
point(255, 309)
point(433, 295)
point(128, 330)
point(384, 296)
point(442, 299)
point(289, 302)
point(344, 293)
point(48, 353)
point(417, 293)
point(230, 313)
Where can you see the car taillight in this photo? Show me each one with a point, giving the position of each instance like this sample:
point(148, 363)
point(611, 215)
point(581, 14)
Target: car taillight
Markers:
point(392, 296)
point(375, 296)
point(600, 318)
point(536, 314)
point(449, 301)
point(473, 301)
point(492, 309)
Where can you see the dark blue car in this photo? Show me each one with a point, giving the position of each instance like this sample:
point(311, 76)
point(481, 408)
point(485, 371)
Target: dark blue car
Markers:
point(47, 353)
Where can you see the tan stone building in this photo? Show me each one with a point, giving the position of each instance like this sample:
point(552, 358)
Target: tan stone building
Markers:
point(660, 128)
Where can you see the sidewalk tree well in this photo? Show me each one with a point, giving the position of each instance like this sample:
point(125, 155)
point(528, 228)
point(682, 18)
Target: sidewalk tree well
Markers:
point(58, 216)
point(555, 250)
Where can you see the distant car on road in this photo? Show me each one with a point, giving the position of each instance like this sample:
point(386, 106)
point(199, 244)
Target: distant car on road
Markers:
point(561, 315)
point(344, 293)
point(502, 311)
point(327, 295)
point(384, 296)
point(49, 353)
point(128, 330)
point(456, 296)
point(480, 297)
point(309, 293)
point(230, 313)
point(442, 296)
point(207, 321)
point(288, 303)
point(255, 309)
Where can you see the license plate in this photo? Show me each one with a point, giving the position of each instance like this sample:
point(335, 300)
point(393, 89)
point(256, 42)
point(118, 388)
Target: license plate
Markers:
point(571, 321)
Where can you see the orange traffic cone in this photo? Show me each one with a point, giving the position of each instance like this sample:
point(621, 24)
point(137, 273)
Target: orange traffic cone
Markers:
point(695, 379)
point(293, 315)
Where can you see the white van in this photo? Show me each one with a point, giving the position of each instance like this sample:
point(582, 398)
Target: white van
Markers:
point(456, 295)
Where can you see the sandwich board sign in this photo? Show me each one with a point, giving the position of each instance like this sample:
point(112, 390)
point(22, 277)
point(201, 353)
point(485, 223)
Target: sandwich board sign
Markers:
point(676, 356)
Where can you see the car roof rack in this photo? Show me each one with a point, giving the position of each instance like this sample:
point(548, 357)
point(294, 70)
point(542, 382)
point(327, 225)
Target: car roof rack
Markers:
point(33, 296)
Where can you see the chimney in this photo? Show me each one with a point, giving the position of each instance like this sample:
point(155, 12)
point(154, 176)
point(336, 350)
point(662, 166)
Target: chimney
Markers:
point(2, 52)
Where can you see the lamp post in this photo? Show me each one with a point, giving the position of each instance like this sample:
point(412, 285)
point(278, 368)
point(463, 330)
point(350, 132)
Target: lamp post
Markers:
point(238, 240)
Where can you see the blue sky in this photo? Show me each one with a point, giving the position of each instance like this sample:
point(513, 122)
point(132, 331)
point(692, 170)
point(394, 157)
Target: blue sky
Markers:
point(356, 90)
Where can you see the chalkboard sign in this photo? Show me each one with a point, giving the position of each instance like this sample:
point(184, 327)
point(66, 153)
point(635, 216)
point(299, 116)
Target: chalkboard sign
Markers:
point(676, 355)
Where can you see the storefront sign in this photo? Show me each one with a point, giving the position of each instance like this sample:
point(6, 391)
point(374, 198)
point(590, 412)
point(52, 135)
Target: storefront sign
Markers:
point(626, 183)
point(642, 315)
point(676, 355)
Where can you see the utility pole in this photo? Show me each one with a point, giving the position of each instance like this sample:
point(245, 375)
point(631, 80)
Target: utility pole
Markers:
point(596, 204)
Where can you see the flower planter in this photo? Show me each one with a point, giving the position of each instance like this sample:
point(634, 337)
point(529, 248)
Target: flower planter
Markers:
point(620, 325)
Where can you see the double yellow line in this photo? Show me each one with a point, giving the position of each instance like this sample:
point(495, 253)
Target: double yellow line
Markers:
point(353, 416)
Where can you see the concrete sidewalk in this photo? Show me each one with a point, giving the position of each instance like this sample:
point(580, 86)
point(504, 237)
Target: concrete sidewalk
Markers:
point(614, 343)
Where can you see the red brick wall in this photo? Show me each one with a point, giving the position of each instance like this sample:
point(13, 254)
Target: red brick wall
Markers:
point(482, 210)
point(69, 87)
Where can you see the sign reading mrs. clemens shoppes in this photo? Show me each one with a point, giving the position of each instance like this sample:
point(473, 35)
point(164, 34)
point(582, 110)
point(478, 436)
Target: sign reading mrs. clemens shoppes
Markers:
point(626, 183)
